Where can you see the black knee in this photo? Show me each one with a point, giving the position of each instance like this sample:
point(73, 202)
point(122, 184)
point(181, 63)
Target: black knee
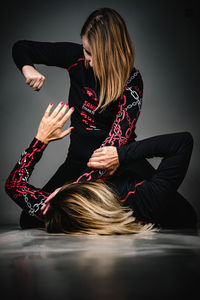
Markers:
point(186, 141)
point(188, 138)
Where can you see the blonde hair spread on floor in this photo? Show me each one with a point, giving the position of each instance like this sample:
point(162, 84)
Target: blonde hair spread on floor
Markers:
point(90, 208)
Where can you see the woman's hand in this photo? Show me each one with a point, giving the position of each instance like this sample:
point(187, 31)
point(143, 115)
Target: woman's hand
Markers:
point(105, 158)
point(33, 78)
point(50, 127)
point(46, 204)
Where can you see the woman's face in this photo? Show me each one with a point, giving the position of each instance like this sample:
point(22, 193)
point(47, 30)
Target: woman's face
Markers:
point(87, 50)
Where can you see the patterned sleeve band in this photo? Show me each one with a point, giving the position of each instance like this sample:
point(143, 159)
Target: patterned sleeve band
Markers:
point(17, 187)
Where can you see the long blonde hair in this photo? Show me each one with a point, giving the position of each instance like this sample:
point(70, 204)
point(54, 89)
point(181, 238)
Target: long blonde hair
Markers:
point(112, 52)
point(90, 208)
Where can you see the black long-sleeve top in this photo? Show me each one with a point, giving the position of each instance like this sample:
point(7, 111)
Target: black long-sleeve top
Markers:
point(115, 126)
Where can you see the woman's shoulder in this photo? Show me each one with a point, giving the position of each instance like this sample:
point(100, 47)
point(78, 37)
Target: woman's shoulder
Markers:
point(72, 45)
point(135, 77)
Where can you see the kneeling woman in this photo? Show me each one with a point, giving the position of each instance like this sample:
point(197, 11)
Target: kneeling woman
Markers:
point(120, 203)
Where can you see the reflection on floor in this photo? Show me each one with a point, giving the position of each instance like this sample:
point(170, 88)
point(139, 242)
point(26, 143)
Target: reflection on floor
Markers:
point(37, 265)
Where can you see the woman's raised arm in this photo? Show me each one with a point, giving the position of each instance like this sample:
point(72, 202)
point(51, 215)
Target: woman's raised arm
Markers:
point(27, 53)
point(17, 185)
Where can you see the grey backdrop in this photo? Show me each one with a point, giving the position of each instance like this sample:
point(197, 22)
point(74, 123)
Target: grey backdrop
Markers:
point(166, 39)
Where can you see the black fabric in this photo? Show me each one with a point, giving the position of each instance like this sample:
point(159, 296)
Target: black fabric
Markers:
point(67, 172)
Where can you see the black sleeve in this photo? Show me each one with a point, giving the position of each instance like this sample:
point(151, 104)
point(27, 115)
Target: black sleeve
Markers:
point(175, 150)
point(59, 54)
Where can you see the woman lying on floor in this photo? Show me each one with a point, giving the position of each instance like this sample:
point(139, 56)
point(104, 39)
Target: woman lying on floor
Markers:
point(121, 202)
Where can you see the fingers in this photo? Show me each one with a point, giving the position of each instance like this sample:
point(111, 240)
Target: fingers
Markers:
point(105, 152)
point(60, 114)
point(98, 154)
point(57, 109)
point(46, 204)
point(111, 172)
point(66, 132)
point(98, 164)
point(99, 151)
point(51, 125)
point(101, 166)
point(46, 209)
point(104, 158)
point(30, 81)
point(37, 82)
point(47, 112)
point(41, 83)
point(95, 165)
point(67, 116)
point(95, 159)
point(52, 195)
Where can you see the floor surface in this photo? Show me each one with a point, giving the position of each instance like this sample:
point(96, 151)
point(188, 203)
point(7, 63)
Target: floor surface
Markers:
point(161, 265)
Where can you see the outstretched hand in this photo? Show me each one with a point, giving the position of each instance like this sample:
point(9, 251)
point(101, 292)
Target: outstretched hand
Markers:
point(105, 158)
point(50, 127)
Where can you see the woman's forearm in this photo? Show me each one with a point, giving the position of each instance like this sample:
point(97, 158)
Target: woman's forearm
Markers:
point(157, 146)
point(175, 150)
point(17, 185)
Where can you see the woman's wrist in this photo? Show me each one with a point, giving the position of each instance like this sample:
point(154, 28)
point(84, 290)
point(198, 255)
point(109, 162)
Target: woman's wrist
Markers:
point(27, 68)
point(42, 139)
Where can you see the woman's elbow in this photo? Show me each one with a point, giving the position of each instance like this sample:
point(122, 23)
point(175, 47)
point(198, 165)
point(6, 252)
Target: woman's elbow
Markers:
point(188, 138)
point(18, 43)
point(16, 48)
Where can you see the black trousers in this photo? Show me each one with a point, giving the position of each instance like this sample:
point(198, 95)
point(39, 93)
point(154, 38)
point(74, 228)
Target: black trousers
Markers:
point(158, 194)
